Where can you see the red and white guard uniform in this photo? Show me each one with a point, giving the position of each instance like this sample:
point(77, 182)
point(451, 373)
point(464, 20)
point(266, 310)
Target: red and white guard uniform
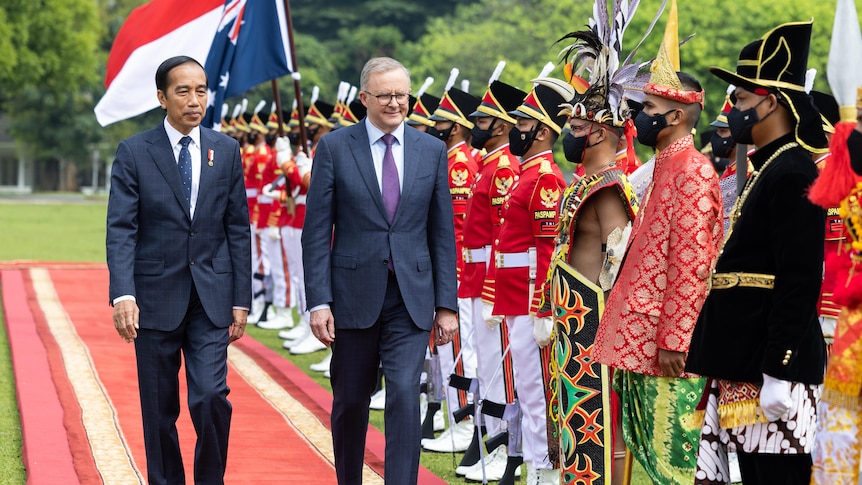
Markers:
point(523, 250)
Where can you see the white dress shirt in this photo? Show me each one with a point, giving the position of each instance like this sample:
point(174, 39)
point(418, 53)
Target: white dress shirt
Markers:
point(378, 149)
point(195, 150)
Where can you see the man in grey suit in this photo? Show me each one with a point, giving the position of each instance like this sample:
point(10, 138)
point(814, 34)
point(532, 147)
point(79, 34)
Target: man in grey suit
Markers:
point(178, 250)
point(379, 257)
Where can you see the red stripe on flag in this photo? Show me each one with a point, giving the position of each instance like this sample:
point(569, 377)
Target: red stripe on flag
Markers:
point(150, 22)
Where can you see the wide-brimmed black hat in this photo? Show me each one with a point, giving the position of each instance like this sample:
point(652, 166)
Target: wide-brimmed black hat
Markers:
point(499, 99)
point(319, 113)
point(829, 110)
point(543, 103)
point(778, 62)
point(422, 109)
point(454, 107)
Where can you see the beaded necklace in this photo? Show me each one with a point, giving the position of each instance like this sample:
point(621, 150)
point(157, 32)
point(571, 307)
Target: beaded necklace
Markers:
point(740, 201)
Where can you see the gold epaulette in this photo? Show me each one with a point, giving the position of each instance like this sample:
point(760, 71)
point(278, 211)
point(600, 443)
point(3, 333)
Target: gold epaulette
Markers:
point(261, 150)
point(504, 161)
point(460, 156)
point(546, 166)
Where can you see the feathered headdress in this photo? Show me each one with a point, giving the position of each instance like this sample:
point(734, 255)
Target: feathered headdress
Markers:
point(598, 51)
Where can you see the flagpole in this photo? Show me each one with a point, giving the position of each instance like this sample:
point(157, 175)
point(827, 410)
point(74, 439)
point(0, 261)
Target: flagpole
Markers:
point(277, 98)
point(303, 136)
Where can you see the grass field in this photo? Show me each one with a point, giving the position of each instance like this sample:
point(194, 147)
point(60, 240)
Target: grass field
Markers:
point(76, 232)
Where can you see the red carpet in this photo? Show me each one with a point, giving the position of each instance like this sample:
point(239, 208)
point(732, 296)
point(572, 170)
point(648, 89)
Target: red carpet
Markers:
point(78, 395)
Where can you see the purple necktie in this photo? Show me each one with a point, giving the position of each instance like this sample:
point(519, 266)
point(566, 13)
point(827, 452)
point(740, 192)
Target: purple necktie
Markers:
point(391, 187)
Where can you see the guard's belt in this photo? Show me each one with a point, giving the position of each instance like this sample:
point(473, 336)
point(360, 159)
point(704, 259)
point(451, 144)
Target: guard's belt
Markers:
point(474, 255)
point(723, 281)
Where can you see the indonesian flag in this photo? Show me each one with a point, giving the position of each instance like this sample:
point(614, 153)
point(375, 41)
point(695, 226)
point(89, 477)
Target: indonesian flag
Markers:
point(240, 43)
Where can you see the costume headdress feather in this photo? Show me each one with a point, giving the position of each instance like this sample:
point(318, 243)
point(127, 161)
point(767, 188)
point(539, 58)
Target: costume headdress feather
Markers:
point(598, 51)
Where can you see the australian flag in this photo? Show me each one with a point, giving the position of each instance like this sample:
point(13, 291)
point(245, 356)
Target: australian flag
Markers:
point(250, 47)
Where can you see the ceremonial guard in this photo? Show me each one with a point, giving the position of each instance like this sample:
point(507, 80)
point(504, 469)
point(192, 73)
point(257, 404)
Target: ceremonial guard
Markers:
point(758, 338)
point(827, 308)
point(453, 127)
point(522, 251)
point(300, 341)
point(651, 311)
point(724, 150)
point(497, 172)
point(272, 216)
point(424, 105)
point(595, 222)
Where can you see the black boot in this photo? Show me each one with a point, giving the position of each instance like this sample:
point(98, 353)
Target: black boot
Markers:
point(472, 456)
point(428, 424)
point(512, 464)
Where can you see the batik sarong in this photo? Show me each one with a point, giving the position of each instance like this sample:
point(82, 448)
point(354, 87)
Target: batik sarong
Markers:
point(580, 401)
point(660, 425)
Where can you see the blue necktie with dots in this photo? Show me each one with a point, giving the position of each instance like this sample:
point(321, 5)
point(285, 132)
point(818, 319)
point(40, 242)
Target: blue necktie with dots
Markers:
point(185, 166)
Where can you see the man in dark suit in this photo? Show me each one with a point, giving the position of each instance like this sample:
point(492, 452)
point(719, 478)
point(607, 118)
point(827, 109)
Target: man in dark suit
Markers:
point(178, 250)
point(379, 257)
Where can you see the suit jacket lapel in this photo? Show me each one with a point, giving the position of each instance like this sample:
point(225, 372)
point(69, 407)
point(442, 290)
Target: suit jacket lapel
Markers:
point(411, 156)
point(207, 142)
point(361, 150)
point(163, 157)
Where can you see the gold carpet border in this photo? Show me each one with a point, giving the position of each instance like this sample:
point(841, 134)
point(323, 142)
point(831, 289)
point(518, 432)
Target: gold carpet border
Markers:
point(297, 416)
point(108, 446)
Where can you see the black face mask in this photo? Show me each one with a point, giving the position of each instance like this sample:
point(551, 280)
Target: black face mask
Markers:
point(722, 147)
point(479, 137)
point(311, 133)
point(741, 123)
point(574, 147)
point(720, 164)
point(441, 134)
point(854, 146)
point(521, 141)
point(293, 138)
point(648, 127)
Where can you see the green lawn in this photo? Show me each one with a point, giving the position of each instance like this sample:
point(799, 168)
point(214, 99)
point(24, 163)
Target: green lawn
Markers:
point(76, 232)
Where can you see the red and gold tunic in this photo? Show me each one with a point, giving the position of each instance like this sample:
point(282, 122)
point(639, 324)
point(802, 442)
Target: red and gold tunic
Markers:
point(484, 212)
point(834, 236)
point(529, 226)
point(252, 181)
point(462, 171)
point(672, 250)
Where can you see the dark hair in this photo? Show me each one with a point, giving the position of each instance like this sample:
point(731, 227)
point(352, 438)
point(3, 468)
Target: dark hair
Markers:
point(693, 110)
point(168, 65)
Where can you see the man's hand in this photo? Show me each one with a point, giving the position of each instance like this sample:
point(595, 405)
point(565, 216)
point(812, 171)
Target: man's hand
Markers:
point(491, 320)
point(237, 328)
point(775, 398)
point(303, 163)
point(126, 314)
point(671, 363)
point(282, 150)
point(543, 328)
point(445, 326)
point(323, 326)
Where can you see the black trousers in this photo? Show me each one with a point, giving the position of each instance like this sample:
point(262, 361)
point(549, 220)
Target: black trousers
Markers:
point(770, 469)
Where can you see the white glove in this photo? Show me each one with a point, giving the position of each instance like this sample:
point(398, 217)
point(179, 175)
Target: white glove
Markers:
point(543, 327)
point(303, 163)
point(282, 149)
point(270, 192)
point(775, 398)
point(491, 320)
point(273, 233)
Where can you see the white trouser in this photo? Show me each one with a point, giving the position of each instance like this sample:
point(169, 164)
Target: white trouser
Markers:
point(291, 238)
point(465, 327)
point(489, 353)
point(274, 253)
point(530, 385)
point(256, 266)
point(447, 357)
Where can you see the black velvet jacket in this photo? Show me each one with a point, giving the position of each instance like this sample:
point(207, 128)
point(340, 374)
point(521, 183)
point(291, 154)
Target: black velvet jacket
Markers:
point(743, 332)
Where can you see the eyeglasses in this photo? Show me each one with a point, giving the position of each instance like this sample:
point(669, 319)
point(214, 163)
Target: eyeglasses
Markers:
point(579, 129)
point(385, 99)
